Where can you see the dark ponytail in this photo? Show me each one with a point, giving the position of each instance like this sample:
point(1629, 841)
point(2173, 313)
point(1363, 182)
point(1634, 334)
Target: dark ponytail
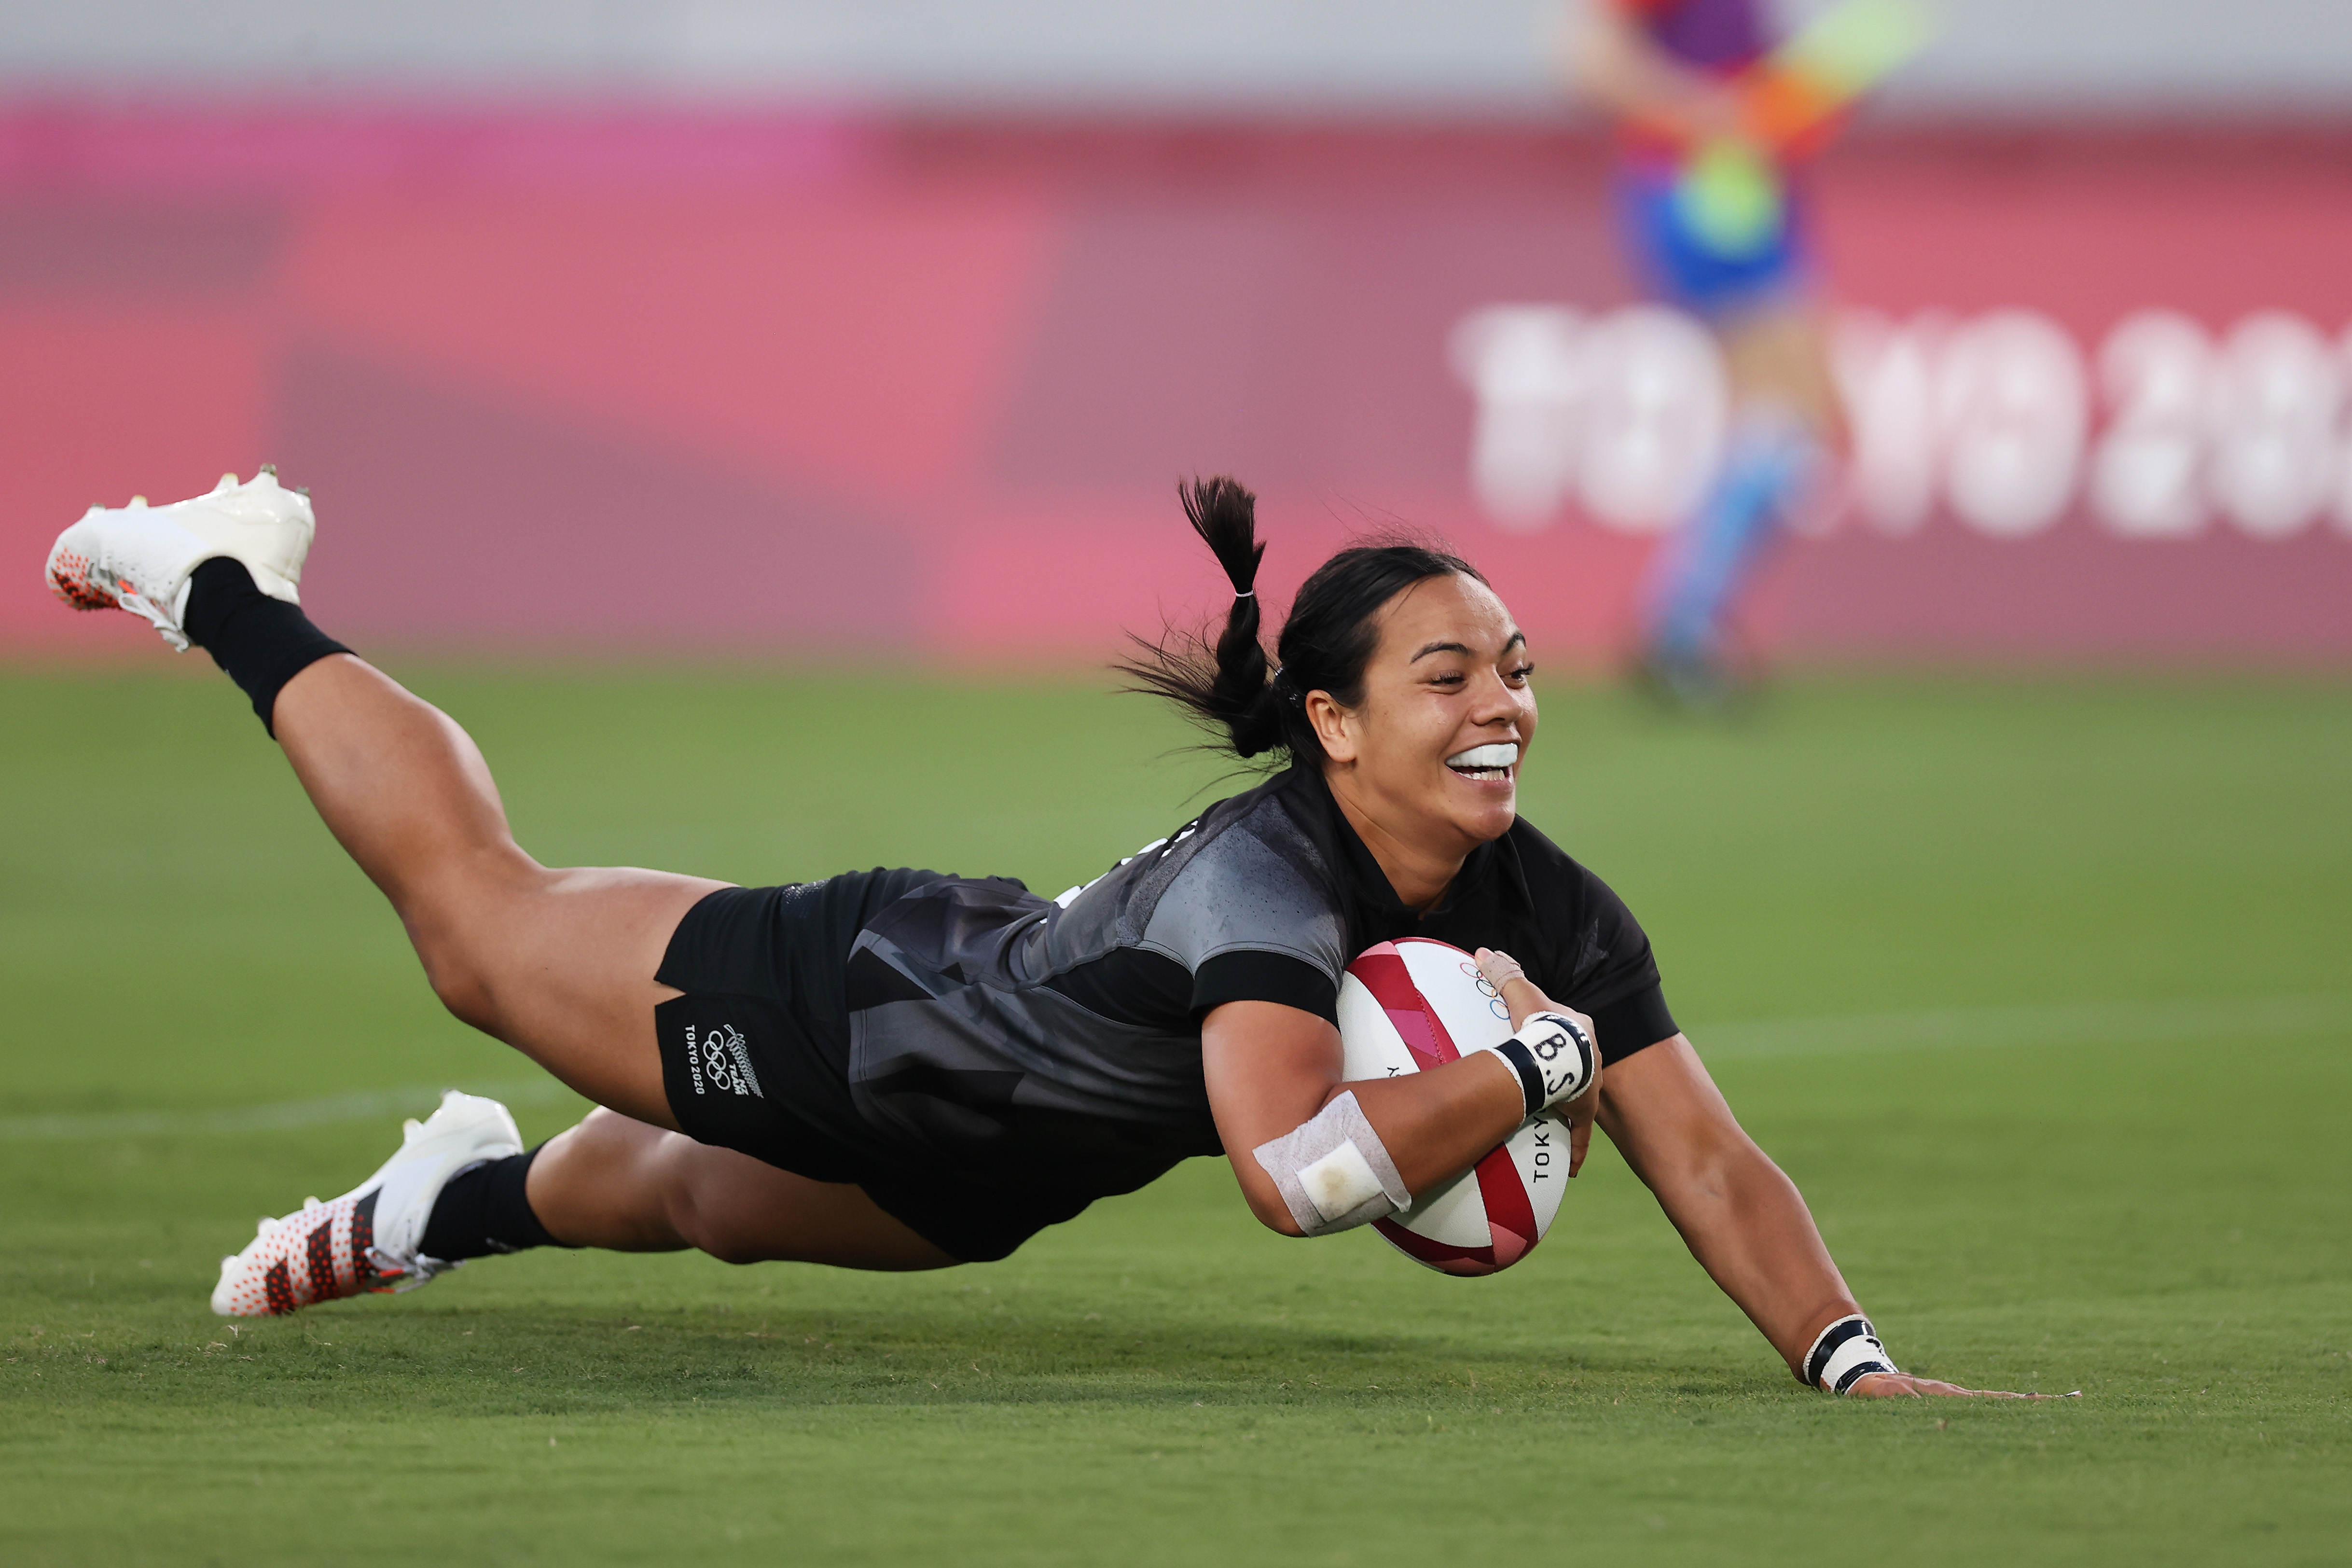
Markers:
point(1227, 689)
point(1230, 689)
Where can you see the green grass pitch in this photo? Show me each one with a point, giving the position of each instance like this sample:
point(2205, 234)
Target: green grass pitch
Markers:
point(2039, 989)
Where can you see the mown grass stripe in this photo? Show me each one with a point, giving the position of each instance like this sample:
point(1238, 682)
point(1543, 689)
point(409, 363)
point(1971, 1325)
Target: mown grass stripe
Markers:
point(2073, 1023)
point(2076, 1023)
point(284, 1116)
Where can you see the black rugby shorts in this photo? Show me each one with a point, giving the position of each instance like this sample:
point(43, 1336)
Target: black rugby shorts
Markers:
point(755, 1058)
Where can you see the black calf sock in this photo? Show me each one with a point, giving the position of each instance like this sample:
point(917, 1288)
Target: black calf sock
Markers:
point(485, 1210)
point(262, 641)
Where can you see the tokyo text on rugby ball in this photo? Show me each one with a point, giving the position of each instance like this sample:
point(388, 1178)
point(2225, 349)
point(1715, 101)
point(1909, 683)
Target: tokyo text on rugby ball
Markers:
point(1413, 1004)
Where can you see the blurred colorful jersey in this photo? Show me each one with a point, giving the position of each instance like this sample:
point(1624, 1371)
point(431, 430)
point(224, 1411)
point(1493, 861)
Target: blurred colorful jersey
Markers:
point(1680, 261)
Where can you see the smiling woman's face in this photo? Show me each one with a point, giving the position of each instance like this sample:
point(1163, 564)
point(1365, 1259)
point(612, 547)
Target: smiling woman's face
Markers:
point(1431, 753)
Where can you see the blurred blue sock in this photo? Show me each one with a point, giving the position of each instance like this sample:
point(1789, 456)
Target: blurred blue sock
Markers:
point(1698, 572)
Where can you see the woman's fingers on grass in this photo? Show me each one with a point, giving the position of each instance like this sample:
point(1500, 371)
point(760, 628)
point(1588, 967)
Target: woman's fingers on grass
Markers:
point(1883, 1385)
point(1903, 1385)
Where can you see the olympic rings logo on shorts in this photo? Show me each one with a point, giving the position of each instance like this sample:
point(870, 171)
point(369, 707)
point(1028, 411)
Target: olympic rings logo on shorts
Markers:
point(721, 1057)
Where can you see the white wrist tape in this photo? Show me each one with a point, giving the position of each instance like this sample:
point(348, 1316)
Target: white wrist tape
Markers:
point(1334, 1171)
point(1554, 1058)
point(1845, 1352)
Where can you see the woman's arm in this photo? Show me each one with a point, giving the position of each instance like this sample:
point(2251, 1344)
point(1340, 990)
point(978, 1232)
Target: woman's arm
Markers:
point(1270, 1068)
point(1743, 1219)
point(1741, 1216)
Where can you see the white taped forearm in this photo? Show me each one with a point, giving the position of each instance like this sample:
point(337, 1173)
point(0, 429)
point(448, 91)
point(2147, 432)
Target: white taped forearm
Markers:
point(1333, 1171)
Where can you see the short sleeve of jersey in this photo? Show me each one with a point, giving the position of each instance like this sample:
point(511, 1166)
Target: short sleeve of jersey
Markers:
point(1249, 924)
point(1248, 975)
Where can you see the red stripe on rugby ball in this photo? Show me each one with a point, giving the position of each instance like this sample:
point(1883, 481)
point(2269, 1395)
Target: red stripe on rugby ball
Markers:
point(1468, 1262)
point(1383, 971)
point(1510, 1217)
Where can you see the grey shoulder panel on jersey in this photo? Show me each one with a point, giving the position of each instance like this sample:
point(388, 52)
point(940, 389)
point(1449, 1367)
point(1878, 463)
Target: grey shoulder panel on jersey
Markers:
point(1253, 887)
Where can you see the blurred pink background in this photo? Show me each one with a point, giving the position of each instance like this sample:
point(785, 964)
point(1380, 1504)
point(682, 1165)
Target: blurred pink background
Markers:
point(920, 385)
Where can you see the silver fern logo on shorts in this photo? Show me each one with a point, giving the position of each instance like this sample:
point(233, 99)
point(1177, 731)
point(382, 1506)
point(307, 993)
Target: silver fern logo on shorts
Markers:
point(721, 1059)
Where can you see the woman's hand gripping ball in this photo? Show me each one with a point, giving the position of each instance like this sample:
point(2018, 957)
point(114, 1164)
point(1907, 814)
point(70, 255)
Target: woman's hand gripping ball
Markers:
point(1522, 997)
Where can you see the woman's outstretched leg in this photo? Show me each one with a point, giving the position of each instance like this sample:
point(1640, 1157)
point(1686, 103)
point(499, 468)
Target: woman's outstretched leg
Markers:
point(460, 1186)
point(558, 963)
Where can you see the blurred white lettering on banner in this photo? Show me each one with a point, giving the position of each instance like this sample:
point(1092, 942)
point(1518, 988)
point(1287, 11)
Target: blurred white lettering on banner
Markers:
point(1653, 425)
point(1884, 373)
point(2148, 480)
point(1989, 419)
point(2011, 411)
point(2275, 456)
point(1622, 414)
point(1525, 364)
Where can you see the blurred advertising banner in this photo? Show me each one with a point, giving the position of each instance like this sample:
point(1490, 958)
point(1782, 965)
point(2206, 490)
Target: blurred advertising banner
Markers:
point(582, 379)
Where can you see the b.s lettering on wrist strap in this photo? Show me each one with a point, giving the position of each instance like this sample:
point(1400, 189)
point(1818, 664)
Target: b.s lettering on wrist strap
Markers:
point(1843, 1355)
point(1554, 1058)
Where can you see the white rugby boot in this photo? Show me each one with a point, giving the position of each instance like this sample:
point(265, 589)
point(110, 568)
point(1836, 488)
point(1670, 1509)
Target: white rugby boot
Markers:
point(368, 1239)
point(139, 557)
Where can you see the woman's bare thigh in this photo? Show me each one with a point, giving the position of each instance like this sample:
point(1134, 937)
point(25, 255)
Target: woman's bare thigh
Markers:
point(560, 966)
point(558, 963)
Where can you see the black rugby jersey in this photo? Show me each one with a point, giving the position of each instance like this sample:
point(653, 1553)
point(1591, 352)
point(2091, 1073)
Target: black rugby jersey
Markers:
point(1023, 1042)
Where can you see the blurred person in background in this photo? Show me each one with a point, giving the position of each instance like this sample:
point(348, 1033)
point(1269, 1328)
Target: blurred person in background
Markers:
point(1712, 125)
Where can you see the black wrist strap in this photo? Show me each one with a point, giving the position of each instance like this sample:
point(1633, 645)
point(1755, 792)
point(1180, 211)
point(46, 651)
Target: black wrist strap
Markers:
point(1523, 1062)
point(1838, 1334)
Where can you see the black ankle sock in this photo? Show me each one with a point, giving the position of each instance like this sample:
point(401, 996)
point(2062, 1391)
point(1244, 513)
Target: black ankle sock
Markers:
point(484, 1211)
point(262, 641)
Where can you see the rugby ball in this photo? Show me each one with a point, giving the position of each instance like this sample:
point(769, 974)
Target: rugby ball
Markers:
point(1411, 1005)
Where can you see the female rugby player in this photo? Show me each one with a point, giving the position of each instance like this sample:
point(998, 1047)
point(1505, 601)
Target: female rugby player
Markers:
point(900, 1070)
